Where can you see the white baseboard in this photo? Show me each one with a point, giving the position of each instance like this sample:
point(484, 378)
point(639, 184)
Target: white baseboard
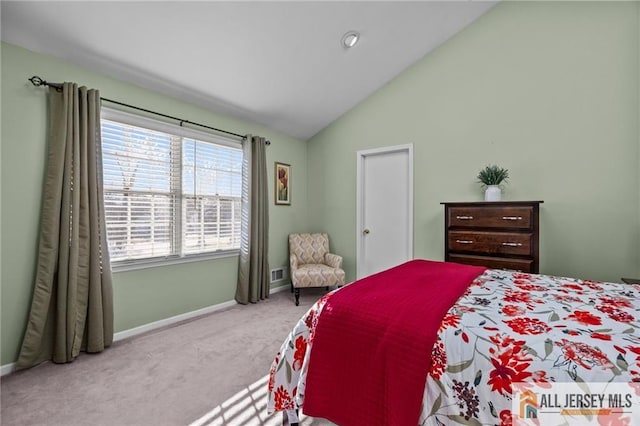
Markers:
point(9, 368)
point(171, 320)
point(279, 288)
point(182, 317)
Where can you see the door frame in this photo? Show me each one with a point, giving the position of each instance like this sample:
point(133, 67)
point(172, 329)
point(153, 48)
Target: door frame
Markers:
point(361, 156)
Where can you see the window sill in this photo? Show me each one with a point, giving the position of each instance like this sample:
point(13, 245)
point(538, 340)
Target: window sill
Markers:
point(133, 265)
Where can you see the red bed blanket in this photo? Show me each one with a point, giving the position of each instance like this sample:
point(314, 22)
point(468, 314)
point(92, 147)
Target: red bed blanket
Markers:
point(372, 345)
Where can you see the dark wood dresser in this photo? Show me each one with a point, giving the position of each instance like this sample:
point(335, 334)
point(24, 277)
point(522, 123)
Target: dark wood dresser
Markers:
point(495, 234)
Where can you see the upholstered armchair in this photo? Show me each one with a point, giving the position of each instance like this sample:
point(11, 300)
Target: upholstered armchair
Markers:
point(311, 263)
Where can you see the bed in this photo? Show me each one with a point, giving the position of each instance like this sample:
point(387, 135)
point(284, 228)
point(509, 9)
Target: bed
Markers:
point(501, 329)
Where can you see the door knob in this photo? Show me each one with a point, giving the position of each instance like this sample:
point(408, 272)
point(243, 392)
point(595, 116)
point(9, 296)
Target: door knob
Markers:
point(366, 231)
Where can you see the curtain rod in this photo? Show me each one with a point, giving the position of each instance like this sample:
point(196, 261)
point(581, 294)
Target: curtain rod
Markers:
point(37, 81)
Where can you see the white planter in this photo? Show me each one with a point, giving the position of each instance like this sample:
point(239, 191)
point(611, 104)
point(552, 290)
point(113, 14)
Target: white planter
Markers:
point(493, 193)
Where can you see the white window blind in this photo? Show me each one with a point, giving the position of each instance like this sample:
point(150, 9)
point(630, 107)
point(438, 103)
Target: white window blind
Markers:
point(212, 185)
point(168, 196)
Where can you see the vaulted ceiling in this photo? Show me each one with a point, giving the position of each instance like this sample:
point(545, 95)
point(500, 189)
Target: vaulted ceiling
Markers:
point(280, 64)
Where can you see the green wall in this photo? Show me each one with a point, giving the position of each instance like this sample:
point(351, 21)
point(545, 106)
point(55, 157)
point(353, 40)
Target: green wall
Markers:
point(548, 90)
point(141, 296)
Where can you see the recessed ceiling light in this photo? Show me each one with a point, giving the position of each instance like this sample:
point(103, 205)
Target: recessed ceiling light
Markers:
point(350, 39)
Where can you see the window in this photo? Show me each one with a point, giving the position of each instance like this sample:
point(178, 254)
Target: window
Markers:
point(169, 192)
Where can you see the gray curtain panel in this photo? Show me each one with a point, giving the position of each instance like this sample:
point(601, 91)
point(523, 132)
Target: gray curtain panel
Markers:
point(72, 305)
point(253, 268)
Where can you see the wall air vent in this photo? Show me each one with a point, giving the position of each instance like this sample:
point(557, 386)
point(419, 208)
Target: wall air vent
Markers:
point(279, 274)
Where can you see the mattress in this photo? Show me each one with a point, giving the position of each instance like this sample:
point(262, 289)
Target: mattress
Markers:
point(507, 330)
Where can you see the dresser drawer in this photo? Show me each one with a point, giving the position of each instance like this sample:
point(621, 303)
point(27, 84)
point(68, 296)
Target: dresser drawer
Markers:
point(491, 242)
point(497, 234)
point(524, 265)
point(516, 217)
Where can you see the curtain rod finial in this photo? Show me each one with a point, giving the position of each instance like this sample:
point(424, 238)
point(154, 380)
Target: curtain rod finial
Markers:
point(37, 81)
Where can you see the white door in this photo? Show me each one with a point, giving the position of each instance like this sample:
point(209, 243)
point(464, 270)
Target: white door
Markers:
point(384, 208)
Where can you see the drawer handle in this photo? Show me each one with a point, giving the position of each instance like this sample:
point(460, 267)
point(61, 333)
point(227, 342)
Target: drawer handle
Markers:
point(512, 244)
point(512, 217)
point(464, 217)
point(464, 241)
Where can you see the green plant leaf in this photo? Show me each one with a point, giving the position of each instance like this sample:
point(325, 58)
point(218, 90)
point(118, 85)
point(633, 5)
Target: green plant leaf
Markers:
point(582, 385)
point(531, 350)
point(441, 386)
point(494, 413)
point(622, 363)
point(493, 175)
point(548, 347)
point(476, 381)
point(456, 368)
point(288, 372)
point(436, 405)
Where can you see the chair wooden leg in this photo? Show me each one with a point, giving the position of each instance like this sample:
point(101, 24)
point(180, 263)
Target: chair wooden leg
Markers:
point(297, 296)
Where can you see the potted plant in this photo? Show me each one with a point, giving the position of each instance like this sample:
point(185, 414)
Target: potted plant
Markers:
point(491, 178)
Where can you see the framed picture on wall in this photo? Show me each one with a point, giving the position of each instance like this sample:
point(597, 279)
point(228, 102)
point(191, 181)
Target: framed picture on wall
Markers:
point(283, 184)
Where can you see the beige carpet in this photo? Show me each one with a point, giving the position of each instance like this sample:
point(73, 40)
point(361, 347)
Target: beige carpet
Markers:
point(208, 371)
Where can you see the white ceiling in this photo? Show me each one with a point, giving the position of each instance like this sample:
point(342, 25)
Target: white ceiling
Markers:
point(275, 63)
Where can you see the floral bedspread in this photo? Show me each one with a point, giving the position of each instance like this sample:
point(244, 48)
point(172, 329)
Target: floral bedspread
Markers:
point(508, 327)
